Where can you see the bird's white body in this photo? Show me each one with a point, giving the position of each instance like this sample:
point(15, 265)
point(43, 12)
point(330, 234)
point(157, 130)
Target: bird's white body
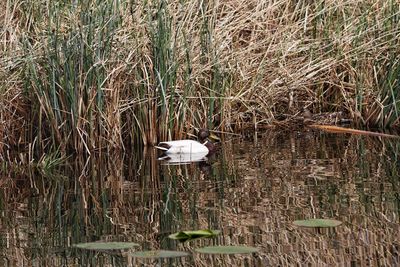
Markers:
point(183, 158)
point(183, 147)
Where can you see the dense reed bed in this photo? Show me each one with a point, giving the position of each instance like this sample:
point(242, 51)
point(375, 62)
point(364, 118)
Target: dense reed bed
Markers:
point(91, 74)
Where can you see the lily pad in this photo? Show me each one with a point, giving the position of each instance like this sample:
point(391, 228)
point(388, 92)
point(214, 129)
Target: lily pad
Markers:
point(158, 254)
point(227, 250)
point(317, 223)
point(106, 245)
point(188, 235)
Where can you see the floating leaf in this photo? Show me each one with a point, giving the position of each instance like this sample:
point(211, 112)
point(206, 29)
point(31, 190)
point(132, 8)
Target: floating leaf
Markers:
point(106, 245)
point(317, 223)
point(157, 254)
point(188, 235)
point(227, 250)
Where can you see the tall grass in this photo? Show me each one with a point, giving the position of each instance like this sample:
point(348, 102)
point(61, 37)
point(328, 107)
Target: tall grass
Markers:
point(66, 72)
point(90, 74)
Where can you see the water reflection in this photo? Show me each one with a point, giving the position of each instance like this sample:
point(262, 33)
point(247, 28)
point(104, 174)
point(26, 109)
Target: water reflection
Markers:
point(252, 190)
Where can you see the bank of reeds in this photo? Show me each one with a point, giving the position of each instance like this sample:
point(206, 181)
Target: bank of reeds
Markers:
point(91, 74)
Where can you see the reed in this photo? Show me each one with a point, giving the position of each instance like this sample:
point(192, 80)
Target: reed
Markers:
point(66, 74)
point(93, 75)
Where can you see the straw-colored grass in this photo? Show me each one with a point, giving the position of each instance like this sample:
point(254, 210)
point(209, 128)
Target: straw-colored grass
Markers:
point(94, 74)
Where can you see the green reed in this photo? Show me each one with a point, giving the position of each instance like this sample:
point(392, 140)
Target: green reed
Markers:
point(172, 106)
point(390, 80)
point(379, 33)
point(389, 94)
point(165, 66)
point(66, 77)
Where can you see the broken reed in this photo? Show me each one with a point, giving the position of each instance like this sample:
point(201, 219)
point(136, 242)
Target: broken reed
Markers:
point(102, 74)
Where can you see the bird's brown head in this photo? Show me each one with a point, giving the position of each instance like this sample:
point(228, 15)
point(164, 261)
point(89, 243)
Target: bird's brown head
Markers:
point(203, 135)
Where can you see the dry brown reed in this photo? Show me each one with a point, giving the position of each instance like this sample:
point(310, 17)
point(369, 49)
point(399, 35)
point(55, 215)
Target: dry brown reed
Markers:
point(114, 74)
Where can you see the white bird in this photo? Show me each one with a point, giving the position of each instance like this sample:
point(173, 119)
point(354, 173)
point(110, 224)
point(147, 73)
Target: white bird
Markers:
point(189, 146)
point(182, 147)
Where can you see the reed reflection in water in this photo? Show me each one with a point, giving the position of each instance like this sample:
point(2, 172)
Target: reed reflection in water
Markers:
point(252, 190)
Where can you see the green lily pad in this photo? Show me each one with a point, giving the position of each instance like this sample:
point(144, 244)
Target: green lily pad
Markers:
point(227, 250)
point(317, 223)
point(158, 254)
point(106, 245)
point(189, 235)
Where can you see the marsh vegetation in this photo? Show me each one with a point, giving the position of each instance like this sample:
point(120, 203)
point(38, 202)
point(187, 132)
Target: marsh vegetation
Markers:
point(101, 74)
point(89, 86)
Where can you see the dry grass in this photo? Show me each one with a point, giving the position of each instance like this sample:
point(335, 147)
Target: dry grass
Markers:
point(112, 74)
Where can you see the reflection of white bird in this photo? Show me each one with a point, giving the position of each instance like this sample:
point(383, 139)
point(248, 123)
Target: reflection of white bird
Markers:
point(184, 158)
point(189, 146)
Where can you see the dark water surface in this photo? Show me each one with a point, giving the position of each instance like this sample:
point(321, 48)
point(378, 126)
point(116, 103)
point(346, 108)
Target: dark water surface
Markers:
point(252, 190)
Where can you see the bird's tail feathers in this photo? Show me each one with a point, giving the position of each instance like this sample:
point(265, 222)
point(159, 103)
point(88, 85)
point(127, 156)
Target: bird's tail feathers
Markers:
point(161, 148)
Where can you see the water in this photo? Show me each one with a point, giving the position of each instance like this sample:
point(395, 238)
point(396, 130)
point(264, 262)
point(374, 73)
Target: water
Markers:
point(252, 190)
